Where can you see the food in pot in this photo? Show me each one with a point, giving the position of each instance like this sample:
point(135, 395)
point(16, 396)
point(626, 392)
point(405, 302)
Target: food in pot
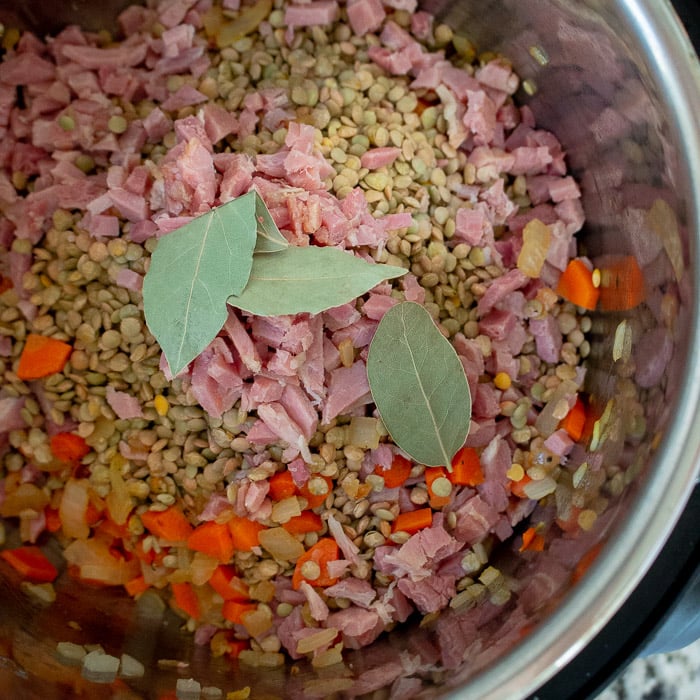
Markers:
point(259, 489)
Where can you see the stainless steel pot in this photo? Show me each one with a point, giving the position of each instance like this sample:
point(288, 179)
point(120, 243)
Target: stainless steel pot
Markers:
point(619, 84)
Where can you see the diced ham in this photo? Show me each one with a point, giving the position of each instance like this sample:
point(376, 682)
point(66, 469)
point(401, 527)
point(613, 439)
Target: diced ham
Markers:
point(177, 39)
point(359, 627)
point(498, 75)
point(417, 558)
point(237, 178)
point(347, 387)
point(365, 16)
point(355, 590)
point(102, 226)
point(300, 409)
point(548, 337)
point(132, 207)
point(310, 14)
point(472, 224)
point(242, 342)
point(422, 25)
point(376, 158)
point(124, 405)
point(559, 443)
point(317, 607)
point(480, 117)
point(26, 69)
point(129, 279)
point(92, 58)
point(218, 122)
point(214, 396)
point(11, 414)
point(500, 288)
point(197, 171)
point(174, 12)
point(377, 305)
point(474, 520)
point(347, 546)
point(430, 594)
point(278, 421)
point(530, 160)
point(184, 97)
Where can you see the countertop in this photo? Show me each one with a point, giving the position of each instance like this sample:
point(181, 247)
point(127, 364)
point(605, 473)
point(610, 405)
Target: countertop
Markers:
point(671, 676)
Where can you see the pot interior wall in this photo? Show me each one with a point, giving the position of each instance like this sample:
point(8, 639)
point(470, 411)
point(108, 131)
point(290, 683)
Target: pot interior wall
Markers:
point(587, 79)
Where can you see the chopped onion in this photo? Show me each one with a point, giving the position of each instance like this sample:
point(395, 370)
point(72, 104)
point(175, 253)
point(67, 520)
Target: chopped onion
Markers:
point(317, 640)
point(130, 667)
point(100, 667)
point(24, 497)
point(188, 689)
point(70, 654)
point(281, 544)
point(73, 509)
point(539, 489)
point(265, 659)
point(286, 509)
point(364, 432)
point(257, 622)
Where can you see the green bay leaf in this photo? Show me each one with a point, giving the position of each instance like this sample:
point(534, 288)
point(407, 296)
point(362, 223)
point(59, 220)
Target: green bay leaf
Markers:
point(419, 386)
point(311, 279)
point(193, 271)
point(270, 240)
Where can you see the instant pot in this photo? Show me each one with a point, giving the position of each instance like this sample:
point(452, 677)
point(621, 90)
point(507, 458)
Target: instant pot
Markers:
point(619, 84)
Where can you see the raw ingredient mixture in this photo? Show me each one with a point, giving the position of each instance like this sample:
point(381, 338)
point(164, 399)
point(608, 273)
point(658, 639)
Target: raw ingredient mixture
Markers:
point(258, 489)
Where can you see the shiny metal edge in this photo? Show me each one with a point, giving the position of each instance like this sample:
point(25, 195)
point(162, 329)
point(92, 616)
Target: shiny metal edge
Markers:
point(638, 541)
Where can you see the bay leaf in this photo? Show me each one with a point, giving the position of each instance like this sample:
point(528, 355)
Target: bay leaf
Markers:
point(193, 271)
point(310, 279)
point(419, 386)
point(270, 240)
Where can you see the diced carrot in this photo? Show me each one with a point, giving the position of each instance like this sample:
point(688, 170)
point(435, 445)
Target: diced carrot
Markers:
point(169, 524)
point(397, 473)
point(282, 486)
point(431, 475)
point(31, 562)
point(244, 533)
point(466, 468)
point(53, 519)
point(214, 539)
point(42, 356)
point(576, 285)
point(316, 499)
point(93, 514)
point(308, 521)
point(236, 646)
point(186, 599)
point(68, 447)
point(324, 551)
point(575, 420)
point(229, 586)
point(5, 283)
point(136, 586)
point(233, 610)
point(413, 520)
point(585, 562)
point(532, 541)
point(517, 488)
point(621, 284)
point(108, 528)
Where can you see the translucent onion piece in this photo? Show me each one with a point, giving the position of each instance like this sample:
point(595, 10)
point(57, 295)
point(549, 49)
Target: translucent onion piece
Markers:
point(280, 544)
point(100, 667)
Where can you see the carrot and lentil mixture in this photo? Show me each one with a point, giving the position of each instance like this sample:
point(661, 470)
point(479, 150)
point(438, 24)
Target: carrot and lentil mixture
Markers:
point(258, 490)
